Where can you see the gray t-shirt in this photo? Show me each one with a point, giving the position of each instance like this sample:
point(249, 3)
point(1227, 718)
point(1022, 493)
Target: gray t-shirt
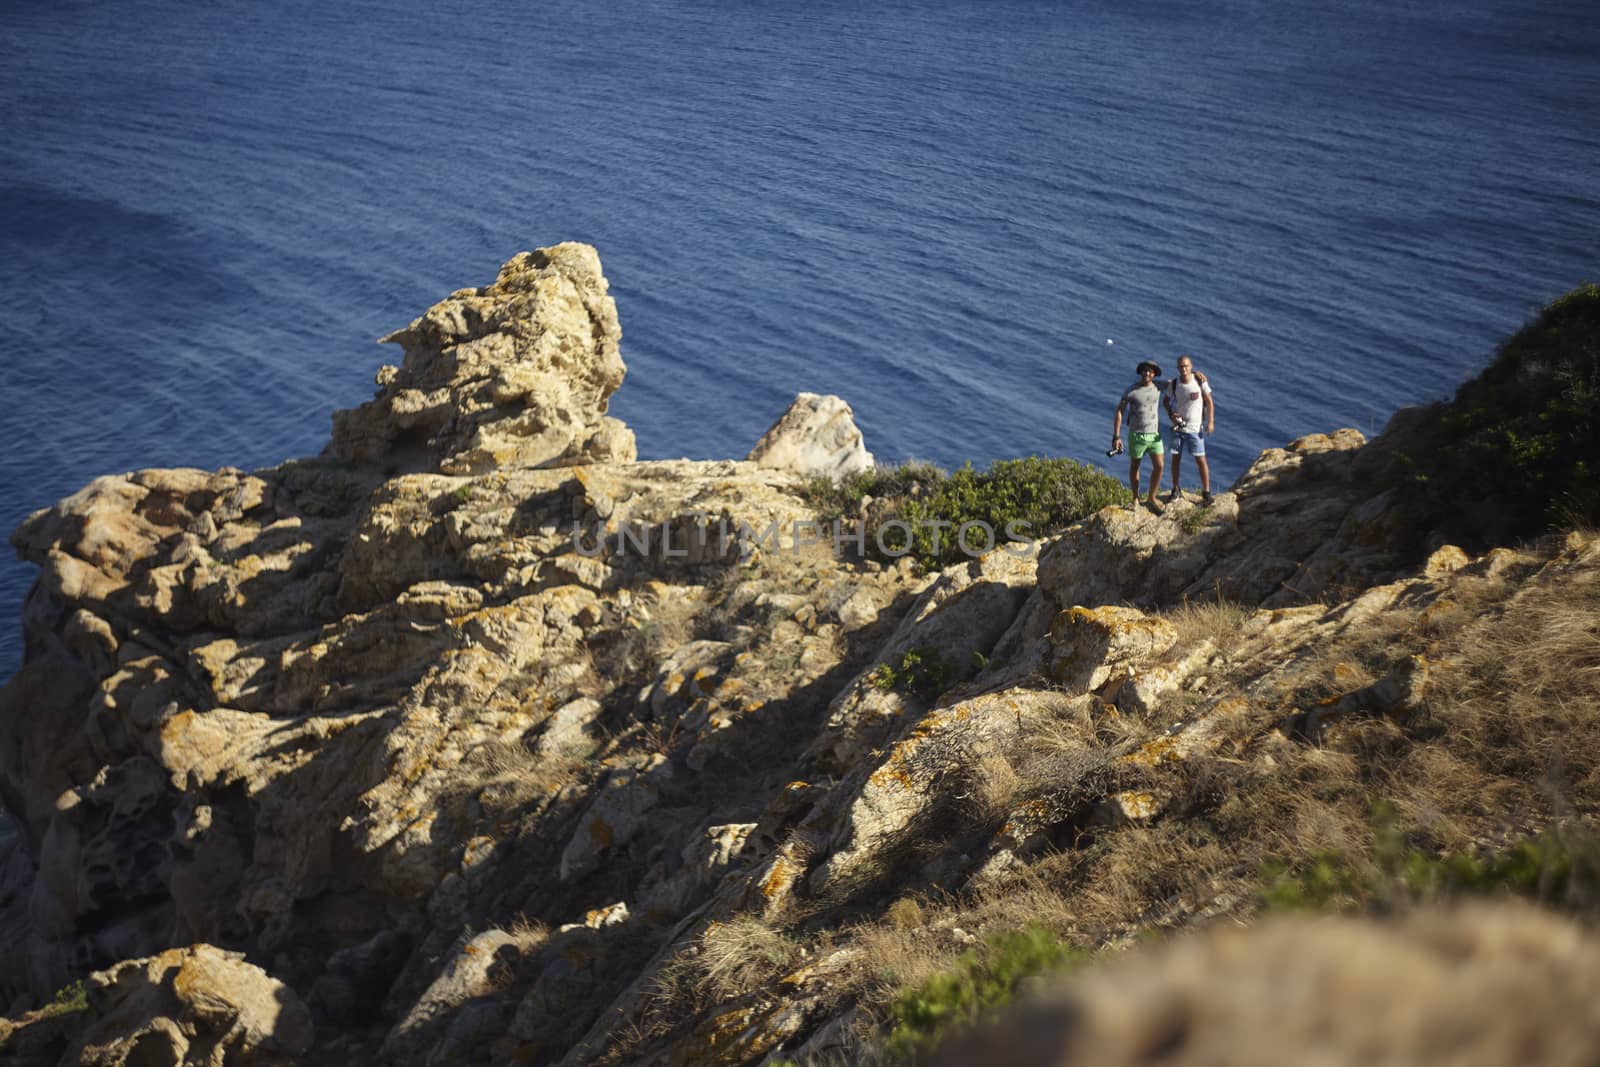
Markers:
point(1143, 405)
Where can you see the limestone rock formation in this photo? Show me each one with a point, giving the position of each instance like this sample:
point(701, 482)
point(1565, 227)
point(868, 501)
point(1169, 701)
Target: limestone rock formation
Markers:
point(483, 742)
point(193, 1005)
point(518, 373)
point(816, 436)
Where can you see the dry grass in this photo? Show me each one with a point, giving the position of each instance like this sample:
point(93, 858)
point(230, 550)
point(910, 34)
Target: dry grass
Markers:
point(917, 943)
point(1030, 896)
point(727, 960)
point(1140, 872)
point(1512, 723)
point(1080, 726)
point(742, 954)
point(1218, 621)
point(1521, 698)
point(1509, 727)
point(1506, 743)
point(891, 957)
point(529, 936)
point(992, 788)
point(508, 775)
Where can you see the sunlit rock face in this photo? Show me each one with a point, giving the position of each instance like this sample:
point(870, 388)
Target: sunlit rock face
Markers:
point(816, 436)
point(518, 373)
point(475, 736)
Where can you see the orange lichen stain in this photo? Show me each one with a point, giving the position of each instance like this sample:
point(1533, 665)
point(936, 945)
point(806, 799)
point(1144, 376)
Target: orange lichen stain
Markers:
point(1031, 813)
point(600, 833)
point(731, 1024)
point(1108, 619)
point(1231, 707)
point(778, 879)
point(891, 774)
point(1441, 608)
point(1161, 750)
point(717, 1040)
point(1138, 805)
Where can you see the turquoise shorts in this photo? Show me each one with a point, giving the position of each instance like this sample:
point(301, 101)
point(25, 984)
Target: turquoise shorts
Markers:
point(1141, 444)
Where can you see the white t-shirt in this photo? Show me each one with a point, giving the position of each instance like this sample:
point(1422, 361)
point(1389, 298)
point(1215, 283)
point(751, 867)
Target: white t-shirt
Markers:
point(1187, 402)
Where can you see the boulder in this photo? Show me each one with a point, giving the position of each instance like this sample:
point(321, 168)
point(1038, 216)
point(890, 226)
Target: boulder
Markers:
point(816, 436)
point(190, 1005)
point(437, 1030)
point(1095, 645)
point(1487, 985)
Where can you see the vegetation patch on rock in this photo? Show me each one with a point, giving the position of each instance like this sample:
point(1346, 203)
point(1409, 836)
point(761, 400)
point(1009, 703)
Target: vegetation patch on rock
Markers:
point(921, 511)
point(1512, 456)
point(979, 983)
point(1558, 867)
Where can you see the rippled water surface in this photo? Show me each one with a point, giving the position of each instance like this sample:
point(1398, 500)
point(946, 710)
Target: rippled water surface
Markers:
point(940, 210)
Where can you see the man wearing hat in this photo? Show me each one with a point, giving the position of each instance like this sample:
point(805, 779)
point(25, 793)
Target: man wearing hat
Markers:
point(1142, 401)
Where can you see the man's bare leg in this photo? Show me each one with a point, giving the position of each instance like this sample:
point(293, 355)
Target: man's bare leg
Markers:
point(1133, 475)
point(1156, 464)
point(1177, 461)
point(1205, 474)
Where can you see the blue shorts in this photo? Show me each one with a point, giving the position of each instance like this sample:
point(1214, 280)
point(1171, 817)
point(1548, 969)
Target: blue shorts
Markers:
point(1192, 443)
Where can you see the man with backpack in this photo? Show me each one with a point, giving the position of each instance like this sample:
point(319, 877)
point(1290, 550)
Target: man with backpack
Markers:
point(1189, 406)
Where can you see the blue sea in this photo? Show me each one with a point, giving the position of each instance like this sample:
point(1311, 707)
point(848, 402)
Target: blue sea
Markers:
point(942, 210)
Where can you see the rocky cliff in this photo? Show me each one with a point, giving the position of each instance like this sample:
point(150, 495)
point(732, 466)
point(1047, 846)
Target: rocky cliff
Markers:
point(475, 740)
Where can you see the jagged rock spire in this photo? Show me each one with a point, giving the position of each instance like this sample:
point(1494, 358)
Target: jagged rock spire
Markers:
point(518, 373)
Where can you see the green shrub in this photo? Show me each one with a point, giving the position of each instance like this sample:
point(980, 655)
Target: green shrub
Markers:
point(922, 672)
point(1195, 519)
point(1513, 454)
point(1555, 867)
point(841, 499)
point(980, 982)
point(1323, 881)
point(1016, 499)
point(68, 1000)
